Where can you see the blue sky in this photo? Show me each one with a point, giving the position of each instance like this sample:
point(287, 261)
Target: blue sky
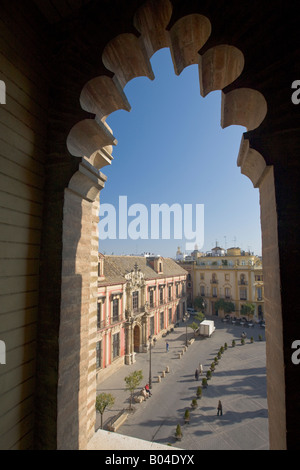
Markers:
point(171, 149)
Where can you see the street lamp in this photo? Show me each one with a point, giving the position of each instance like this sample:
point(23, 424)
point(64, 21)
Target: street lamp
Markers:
point(150, 374)
point(186, 327)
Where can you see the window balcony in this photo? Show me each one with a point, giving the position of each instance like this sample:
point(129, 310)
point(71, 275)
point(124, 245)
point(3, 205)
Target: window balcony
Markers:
point(116, 319)
point(101, 324)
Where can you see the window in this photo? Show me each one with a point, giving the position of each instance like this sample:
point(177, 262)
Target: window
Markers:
point(161, 295)
point(214, 292)
point(227, 277)
point(177, 293)
point(259, 293)
point(170, 315)
point(99, 305)
point(135, 301)
point(183, 308)
point(116, 345)
point(151, 295)
point(178, 312)
point(99, 354)
point(152, 326)
point(202, 277)
point(227, 293)
point(170, 292)
point(162, 320)
point(202, 291)
point(115, 317)
point(243, 294)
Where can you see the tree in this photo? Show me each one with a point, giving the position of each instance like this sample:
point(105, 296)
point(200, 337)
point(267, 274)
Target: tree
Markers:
point(199, 317)
point(248, 310)
point(103, 401)
point(199, 303)
point(194, 327)
point(227, 307)
point(132, 382)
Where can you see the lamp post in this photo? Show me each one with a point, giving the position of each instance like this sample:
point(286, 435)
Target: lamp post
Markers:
point(150, 373)
point(186, 327)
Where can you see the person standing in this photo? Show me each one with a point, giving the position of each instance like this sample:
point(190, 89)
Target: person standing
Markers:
point(197, 374)
point(200, 369)
point(220, 409)
point(167, 346)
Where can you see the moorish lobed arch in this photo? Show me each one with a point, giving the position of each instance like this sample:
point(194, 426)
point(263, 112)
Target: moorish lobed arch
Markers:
point(267, 140)
point(128, 56)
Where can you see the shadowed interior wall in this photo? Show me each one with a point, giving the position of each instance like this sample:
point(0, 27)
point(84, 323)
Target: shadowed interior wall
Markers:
point(23, 130)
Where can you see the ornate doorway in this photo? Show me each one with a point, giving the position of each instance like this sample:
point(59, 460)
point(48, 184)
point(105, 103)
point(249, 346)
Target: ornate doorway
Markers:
point(136, 338)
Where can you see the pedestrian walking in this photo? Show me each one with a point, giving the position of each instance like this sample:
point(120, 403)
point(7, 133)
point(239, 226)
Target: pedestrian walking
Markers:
point(220, 409)
point(167, 346)
point(200, 369)
point(197, 374)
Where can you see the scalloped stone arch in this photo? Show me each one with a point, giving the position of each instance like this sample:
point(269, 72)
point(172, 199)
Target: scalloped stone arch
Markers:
point(127, 56)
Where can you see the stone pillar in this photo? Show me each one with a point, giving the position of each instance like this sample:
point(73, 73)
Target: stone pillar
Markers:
point(78, 316)
point(127, 343)
point(281, 292)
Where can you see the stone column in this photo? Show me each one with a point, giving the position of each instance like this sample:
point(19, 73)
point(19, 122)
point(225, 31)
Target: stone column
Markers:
point(78, 316)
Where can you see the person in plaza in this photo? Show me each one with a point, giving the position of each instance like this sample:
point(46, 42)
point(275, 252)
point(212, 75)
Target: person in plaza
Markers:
point(220, 408)
point(197, 374)
point(167, 346)
point(200, 369)
point(148, 391)
point(144, 393)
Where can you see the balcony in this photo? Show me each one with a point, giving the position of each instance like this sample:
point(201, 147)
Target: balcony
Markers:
point(138, 310)
point(243, 283)
point(214, 281)
point(101, 325)
point(116, 319)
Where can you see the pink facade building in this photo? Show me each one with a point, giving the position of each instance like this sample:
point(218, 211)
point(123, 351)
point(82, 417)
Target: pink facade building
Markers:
point(139, 300)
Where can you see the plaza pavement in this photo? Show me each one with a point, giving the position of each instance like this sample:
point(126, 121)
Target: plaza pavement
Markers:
point(239, 381)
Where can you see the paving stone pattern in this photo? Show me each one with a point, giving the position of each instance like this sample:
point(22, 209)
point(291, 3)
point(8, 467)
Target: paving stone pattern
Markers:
point(239, 381)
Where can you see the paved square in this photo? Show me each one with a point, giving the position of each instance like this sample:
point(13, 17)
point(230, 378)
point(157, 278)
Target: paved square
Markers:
point(239, 381)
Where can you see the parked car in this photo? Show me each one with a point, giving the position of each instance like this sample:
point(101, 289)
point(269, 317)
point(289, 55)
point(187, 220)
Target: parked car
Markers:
point(191, 311)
